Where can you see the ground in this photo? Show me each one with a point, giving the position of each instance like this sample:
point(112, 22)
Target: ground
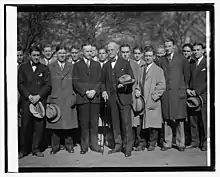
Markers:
point(172, 157)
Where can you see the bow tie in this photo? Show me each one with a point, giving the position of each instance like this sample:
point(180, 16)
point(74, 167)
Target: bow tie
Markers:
point(35, 64)
point(113, 60)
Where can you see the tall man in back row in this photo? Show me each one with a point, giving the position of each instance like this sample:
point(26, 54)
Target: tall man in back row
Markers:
point(174, 111)
point(120, 99)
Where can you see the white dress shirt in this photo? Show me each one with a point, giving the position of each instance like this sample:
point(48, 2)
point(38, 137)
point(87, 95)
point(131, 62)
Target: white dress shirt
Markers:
point(62, 65)
point(33, 67)
point(114, 62)
point(148, 67)
point(87, 62)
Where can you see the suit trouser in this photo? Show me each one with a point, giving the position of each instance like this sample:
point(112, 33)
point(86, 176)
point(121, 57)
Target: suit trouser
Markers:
point(198, 123)
point(153, 136)
point(169, 127)
point(58, 135)
point(31, 131)
point(121, 120)
point(89, 116)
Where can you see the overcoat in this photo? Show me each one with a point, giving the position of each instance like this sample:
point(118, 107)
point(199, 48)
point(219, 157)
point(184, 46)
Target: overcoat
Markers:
point(177, 75)
point(136, 70)
point(63, 95)
point(152, 86)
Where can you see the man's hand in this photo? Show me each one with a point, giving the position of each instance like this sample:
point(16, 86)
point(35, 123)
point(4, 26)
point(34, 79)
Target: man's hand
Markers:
point(120, 85)
point(36, 98)
point(191, 92)
point(31, 99)
point(105, 96)
point(92, 93)
point(137, 93)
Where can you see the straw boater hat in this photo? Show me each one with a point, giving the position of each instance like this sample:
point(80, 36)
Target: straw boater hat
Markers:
point(53, 113)
point(195, 103)
point(126, 79)
point(139, 105)
point(37, 110)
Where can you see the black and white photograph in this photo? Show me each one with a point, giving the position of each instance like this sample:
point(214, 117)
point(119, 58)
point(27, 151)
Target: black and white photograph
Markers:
point(110, 87)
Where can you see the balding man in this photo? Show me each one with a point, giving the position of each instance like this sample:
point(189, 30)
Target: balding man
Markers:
point(120, 99)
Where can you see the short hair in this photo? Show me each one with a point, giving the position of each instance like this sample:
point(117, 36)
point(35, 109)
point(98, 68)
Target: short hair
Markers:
point(102, 48)
point(47, 45)
point(200, 44)
point(161, 47)
point(19, 48)
point(169, 40)
point(34, 48)
point(188, 45)
point(125, 45)
point(59, 47)
point(149, 48)
point(74, 47)
point(138, 48)
point(85, 44)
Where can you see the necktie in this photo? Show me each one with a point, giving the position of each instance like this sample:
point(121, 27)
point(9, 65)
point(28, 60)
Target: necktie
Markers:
point(62, 67)
point(88, 63)
point(169, 58)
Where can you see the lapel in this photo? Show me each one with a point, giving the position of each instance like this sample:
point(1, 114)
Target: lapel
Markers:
point(200, 66)
point(66, 68)
point(30, 70)
point(109, 69)
point(118, 64)
point(173, 61)
point(148, 73)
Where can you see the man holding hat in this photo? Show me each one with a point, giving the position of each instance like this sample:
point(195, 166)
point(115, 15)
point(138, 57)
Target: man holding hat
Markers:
point(198, 91)
point(34, 86)
point(63, 97)
point(151, 85)
point(117, 81)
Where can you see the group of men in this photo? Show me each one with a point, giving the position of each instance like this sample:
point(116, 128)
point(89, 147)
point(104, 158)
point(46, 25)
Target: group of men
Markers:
point(80, 86)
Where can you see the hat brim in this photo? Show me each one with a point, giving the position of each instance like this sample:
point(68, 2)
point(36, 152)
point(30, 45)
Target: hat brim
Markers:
point(143, 107)
point(57, 118)
point(128, 82)
point(49, 107)
point(191, 104)
point(36, 114)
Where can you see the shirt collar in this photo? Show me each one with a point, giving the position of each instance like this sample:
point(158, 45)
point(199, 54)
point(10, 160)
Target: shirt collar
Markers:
point(61, 63)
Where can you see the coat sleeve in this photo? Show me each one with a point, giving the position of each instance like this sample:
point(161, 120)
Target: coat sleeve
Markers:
point(45, 90)
point(78, 86)
point(160, 85)
point(186, 72)
point(21, 79)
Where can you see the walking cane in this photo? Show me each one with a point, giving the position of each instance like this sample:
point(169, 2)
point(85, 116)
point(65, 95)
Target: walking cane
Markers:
point(103, 126)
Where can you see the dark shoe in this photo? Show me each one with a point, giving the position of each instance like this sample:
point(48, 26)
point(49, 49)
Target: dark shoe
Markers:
point(204, 148)
point(98, 150)
point(83, 152)
point(165, 148)
point(114, 150)
point(52, 152)
point(191, 146)
point(151, 148)
point(70, 150)
point(38, 154)
point(140, 148)
point(181, 149)
point(128, 154)
point(22, 154)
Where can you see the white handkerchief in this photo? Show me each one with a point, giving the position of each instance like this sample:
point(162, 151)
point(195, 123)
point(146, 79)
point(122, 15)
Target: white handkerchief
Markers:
point(40, 75)
point(203, 69)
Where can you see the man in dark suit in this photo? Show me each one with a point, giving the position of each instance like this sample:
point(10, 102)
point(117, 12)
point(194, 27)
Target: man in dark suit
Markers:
point(86, 83)
point(120, 99)
point(174, 111)
point(198, 87)
point(34, 85)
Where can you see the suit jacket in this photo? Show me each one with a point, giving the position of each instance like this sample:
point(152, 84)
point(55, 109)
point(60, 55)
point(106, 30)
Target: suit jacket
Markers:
point(34, 83)
point(84, 79)
point(177, 75)
point(198, 81)
point(121, 67)
point(44, 61)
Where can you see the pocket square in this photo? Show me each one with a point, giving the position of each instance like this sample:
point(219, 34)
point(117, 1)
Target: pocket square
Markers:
point(40, 75)
point(203, 69)
point(122, 69)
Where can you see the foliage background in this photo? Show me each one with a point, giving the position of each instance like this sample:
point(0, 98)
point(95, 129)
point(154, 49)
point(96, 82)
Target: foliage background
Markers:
point(135, 28)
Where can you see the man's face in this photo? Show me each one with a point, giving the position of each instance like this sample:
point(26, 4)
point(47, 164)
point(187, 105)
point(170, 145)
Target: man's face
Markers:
point(48, 52)
point(35, 56)
point(102, 55)
point(160, 52)
point(75, 54)
point(125, 52)
point(137, 54)
point(187, 52)
point(20, 57)
point(87, 52)
point(61, 55)
point(94, 51)
point(169, 47)
point(198, 51)
point(149, 57)
point(112, 50)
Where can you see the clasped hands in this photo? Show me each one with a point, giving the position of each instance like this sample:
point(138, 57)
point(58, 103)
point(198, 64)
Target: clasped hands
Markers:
point(90, 93)
point(34, 98)
point(191, 92)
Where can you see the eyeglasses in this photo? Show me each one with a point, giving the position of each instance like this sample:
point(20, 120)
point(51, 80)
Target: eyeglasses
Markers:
point(186, 51)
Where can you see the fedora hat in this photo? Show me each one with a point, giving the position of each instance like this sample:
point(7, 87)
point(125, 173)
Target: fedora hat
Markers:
point(126, 79)
point(37, 110)
point(195, 103)
point(53, 113)
point(139, 105)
